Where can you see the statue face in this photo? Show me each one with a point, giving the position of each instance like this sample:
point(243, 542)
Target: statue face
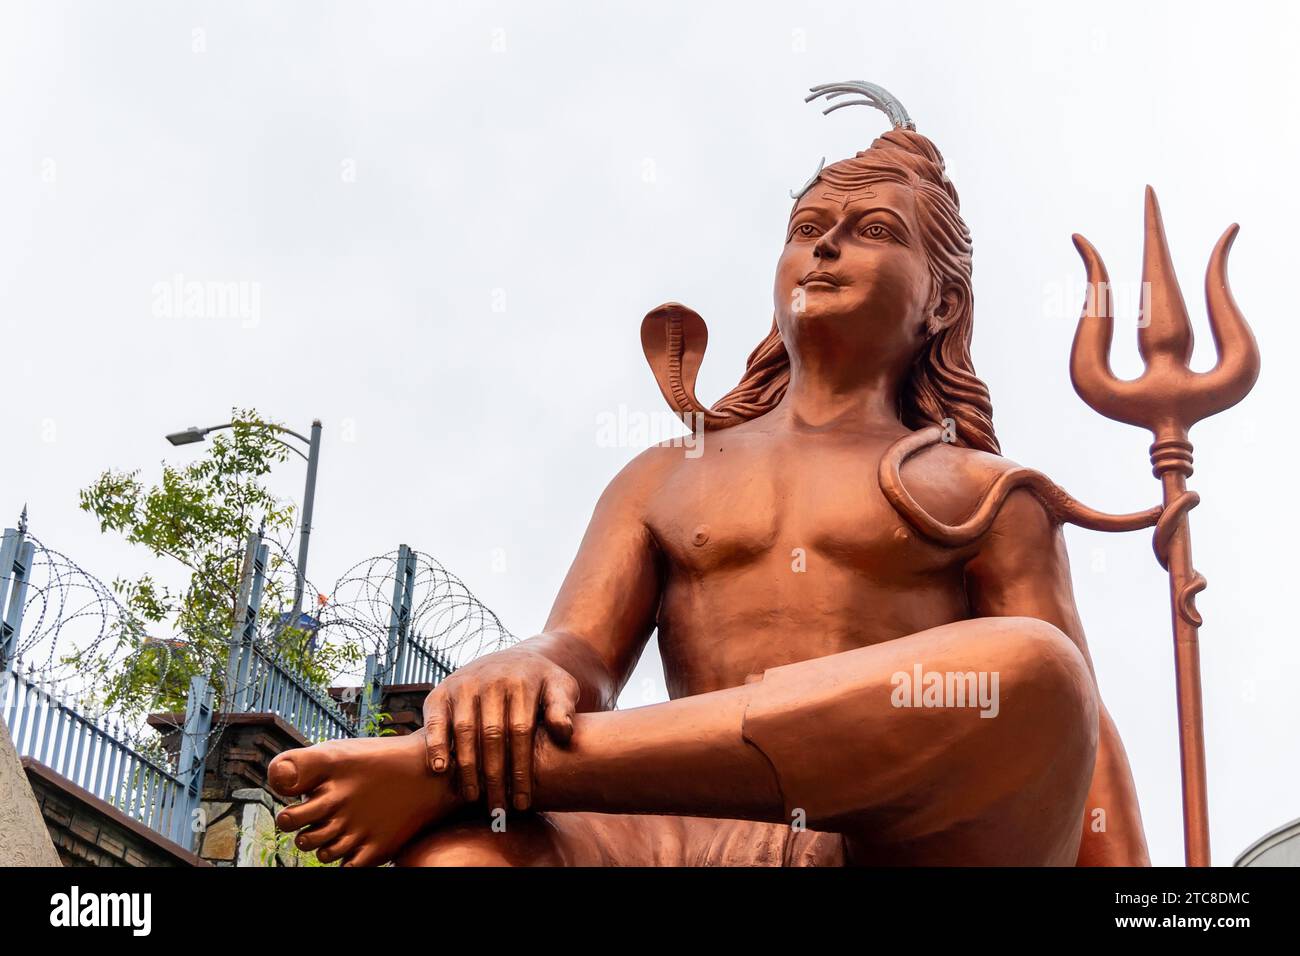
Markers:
point(854, 273)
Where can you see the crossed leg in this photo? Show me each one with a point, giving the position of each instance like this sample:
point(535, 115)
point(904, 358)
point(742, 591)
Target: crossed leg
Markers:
point(822, 742)
point(615, 839)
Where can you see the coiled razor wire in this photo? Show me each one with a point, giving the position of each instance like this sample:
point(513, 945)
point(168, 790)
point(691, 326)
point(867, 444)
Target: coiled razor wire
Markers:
point(445, 616)
point(71, 617)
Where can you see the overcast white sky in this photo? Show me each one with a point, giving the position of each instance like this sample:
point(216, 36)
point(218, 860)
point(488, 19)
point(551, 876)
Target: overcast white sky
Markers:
point(455, 216)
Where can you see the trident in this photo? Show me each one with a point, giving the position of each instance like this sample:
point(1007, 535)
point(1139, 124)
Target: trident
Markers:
point(1168, 398)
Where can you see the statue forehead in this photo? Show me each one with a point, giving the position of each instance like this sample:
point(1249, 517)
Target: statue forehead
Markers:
point(895, 196)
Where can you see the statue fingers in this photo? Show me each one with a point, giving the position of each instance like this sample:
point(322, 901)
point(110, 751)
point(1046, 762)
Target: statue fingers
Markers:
point(522, 712)
point(492, 739)
point(437, 731)
point(464, 722)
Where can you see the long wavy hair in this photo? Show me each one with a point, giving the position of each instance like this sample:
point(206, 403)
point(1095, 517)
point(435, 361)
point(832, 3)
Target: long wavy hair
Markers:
point(942, 383)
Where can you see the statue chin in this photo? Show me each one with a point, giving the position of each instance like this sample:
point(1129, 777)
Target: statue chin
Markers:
point(819, 309)
point(842, 325)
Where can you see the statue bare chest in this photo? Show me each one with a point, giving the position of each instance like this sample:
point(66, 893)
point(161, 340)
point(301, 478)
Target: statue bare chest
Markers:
point(745, 503)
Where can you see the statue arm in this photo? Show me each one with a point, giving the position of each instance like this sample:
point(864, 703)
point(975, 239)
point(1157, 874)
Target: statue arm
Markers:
point(1022, 569)
point(480, 721)
point(605, 610)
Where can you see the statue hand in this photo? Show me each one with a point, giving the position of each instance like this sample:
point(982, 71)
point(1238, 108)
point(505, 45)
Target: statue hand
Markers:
point(490, 705)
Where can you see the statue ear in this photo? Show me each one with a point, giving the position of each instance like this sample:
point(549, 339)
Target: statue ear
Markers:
point(946, 307)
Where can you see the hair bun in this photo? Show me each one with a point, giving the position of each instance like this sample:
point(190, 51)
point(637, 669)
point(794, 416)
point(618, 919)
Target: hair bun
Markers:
point(922, 157)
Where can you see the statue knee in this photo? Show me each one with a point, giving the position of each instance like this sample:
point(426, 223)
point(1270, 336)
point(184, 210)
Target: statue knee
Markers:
point(1053, 682)
point(1041, 651)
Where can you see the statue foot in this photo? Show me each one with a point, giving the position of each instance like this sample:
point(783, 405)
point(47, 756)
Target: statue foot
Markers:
point(364, 799)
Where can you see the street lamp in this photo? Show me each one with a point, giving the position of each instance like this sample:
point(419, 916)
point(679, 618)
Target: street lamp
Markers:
point(195, 434)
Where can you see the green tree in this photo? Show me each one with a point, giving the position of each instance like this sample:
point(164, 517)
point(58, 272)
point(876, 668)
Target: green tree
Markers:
point(199, 515)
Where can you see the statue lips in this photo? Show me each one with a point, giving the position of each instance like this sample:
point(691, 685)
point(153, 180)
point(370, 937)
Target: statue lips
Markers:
point(819, 278)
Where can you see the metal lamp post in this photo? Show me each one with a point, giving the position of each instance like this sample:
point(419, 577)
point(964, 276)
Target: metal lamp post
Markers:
point(195, 434)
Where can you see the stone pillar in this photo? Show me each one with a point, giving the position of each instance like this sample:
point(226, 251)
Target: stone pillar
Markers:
point(404, 705)
point(24, 839)
point(238, 804)
point(241, 831)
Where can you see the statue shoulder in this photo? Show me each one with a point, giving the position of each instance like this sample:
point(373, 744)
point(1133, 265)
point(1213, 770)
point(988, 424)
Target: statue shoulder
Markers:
point(949, 481)
point(956, 496)
point(978, 472)
point(639, 478)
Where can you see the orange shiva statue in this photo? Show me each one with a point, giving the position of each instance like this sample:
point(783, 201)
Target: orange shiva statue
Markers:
point(864, 612)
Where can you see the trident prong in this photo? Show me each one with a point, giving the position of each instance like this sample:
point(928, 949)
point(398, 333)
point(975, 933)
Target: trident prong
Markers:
point(1168, 398)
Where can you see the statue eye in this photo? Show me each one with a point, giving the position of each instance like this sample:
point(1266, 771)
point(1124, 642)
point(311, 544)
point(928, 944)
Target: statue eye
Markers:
point(876, 231)
point(807, 230)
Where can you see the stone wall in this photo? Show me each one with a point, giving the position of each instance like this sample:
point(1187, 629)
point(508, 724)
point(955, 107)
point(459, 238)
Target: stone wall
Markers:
point(87, 831)
point(241, 831)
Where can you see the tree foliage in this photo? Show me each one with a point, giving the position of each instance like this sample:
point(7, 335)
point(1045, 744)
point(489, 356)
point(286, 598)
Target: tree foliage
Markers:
point(199, 515)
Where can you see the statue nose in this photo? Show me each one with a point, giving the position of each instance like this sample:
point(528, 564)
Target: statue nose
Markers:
point(826, 248)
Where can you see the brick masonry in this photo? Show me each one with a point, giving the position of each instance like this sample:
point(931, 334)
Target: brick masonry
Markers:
point(89, 832)
point(404, 704)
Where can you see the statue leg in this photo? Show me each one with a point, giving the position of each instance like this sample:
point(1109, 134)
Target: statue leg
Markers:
point(986, 759)
point(830, 744)
point(833, 744)
point(527, 841)
point(615, 839)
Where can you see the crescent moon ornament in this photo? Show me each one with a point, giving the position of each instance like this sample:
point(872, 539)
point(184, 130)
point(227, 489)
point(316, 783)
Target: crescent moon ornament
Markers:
point(877, 97)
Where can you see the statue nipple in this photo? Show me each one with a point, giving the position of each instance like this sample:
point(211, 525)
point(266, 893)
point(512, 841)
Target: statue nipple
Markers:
point(700, 536)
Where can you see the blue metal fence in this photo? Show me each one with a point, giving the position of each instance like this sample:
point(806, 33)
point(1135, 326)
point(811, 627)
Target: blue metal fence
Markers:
point(272, 686)
point(420, 663)
point(259, 679)
point(97, 753)
point(16, 554)
point(410, 658)
point(93, 753)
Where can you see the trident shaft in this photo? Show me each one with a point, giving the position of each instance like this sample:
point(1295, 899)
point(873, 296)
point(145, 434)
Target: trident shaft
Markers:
point(1168, 398)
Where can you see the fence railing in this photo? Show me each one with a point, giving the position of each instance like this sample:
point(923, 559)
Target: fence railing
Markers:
point(419, 663)
point(271, 686)
point(409, 660)
point(258, 680)
point(93, 754)
point(162, 789)
point(98, 754)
